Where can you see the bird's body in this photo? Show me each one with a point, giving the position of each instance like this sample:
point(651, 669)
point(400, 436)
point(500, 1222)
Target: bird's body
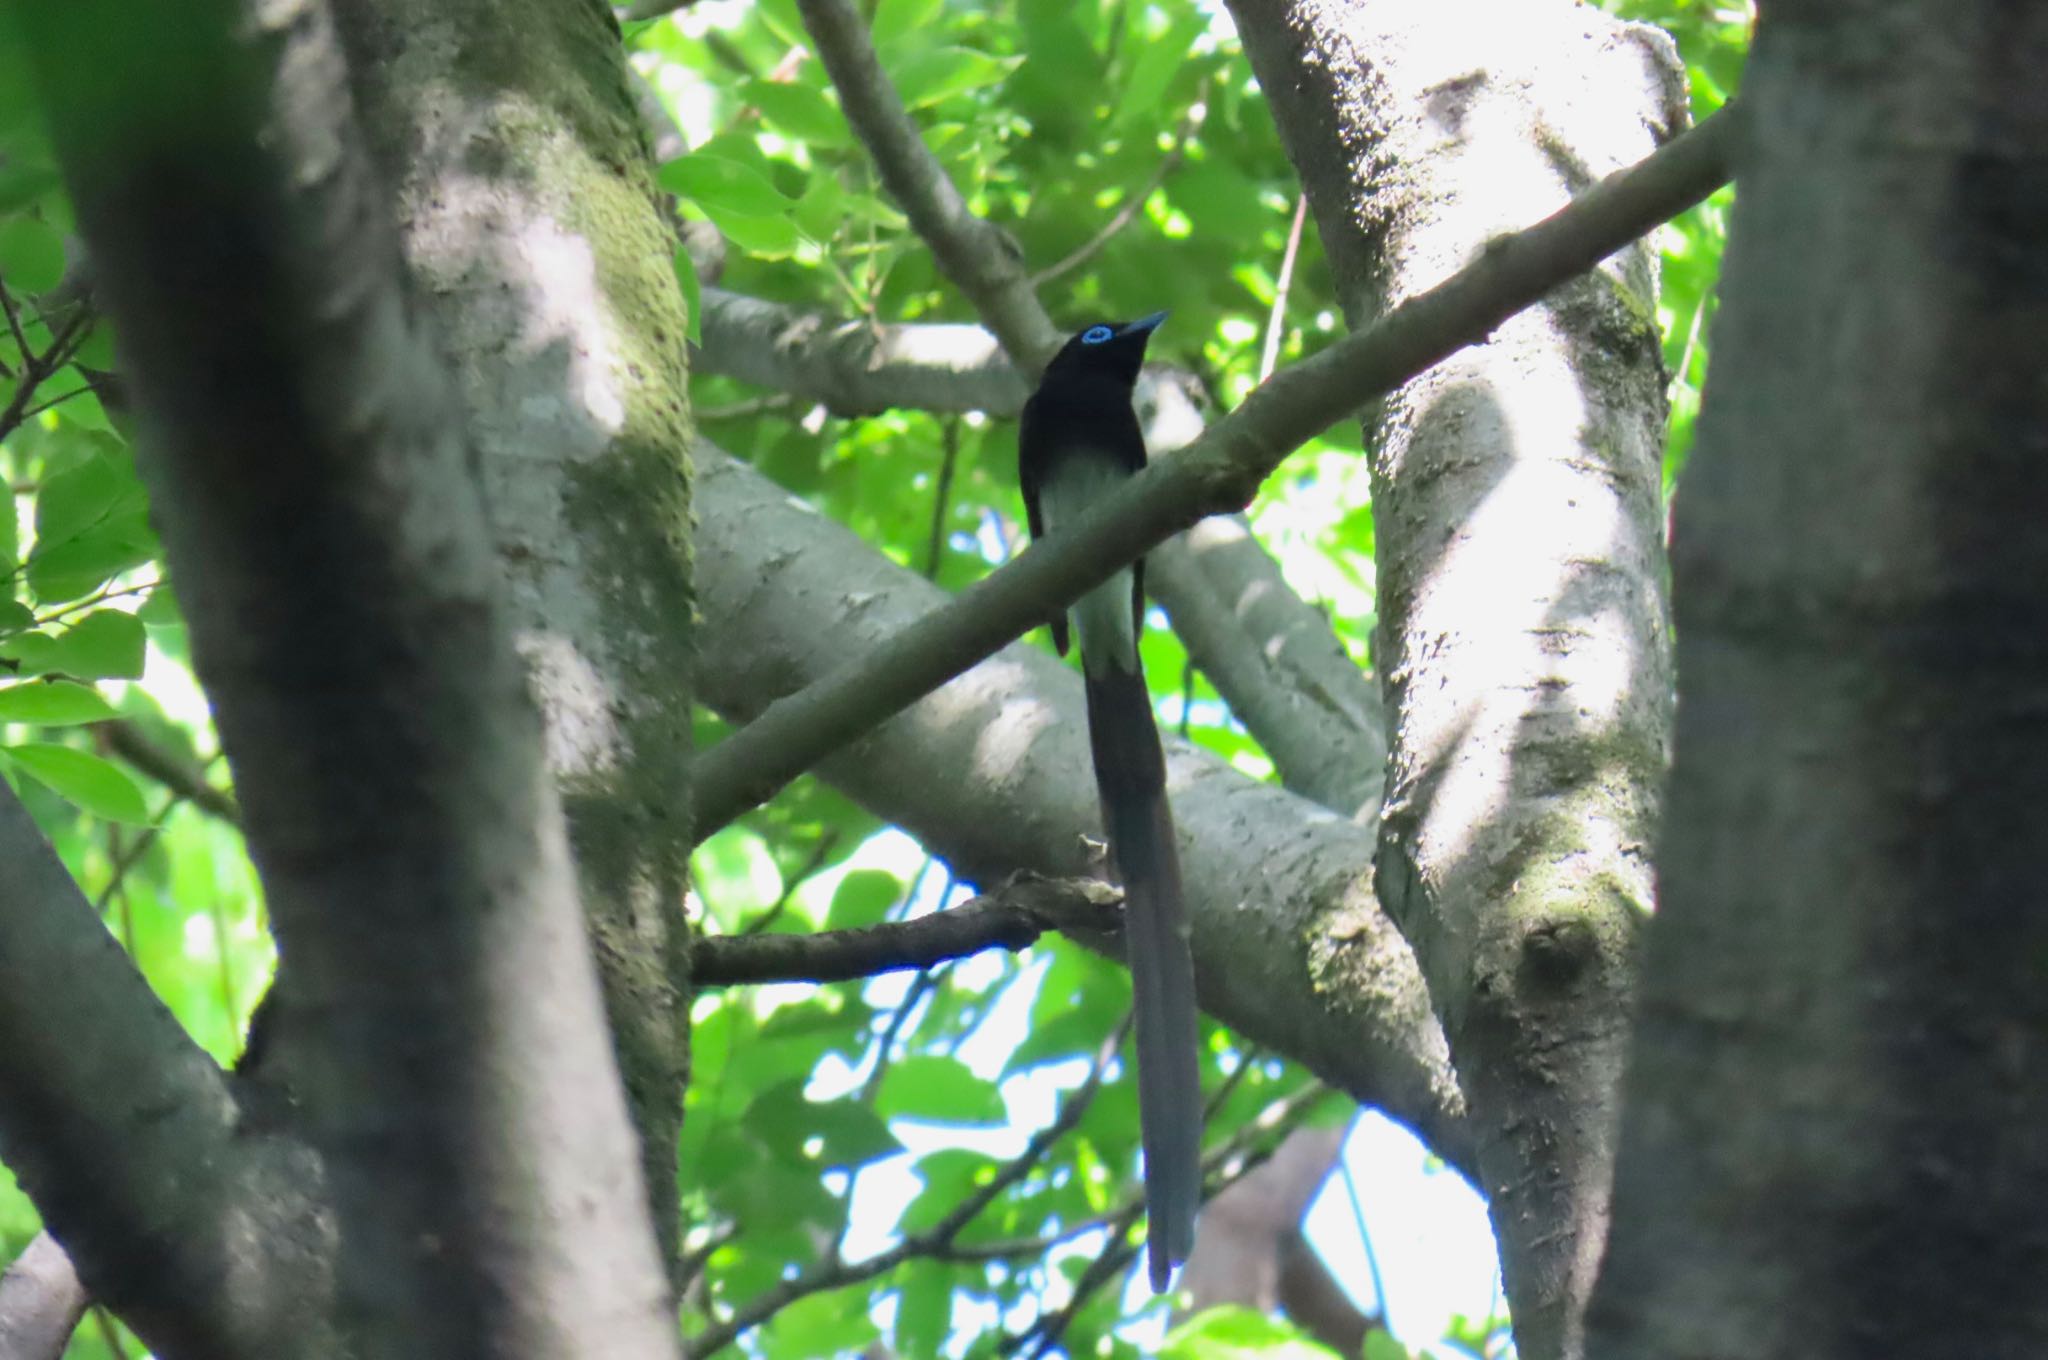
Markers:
point(1079, 441)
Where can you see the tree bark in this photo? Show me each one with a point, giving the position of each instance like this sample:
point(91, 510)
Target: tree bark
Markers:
point(1832, 1141)
point(508, 132)
point(1522, 634)
point(440, 1027)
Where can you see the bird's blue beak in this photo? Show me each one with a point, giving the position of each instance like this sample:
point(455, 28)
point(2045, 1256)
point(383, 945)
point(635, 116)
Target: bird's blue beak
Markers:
point(1144, 324)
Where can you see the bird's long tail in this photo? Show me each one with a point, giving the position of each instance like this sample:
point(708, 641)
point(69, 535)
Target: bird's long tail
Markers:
point(1130, 776)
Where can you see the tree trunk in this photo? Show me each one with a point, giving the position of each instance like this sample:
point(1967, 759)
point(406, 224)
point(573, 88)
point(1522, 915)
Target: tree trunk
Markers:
point(1832, 1142)
point(1522, 631)
point(519, 160)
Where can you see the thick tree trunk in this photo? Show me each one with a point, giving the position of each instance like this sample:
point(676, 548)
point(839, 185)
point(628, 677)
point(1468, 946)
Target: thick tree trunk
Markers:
point(439, 1025)
point(525, 191)
point(1522, 617)
point(1832, 1141)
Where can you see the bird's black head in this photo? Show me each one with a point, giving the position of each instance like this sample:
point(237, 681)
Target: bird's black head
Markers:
point(1111, 348)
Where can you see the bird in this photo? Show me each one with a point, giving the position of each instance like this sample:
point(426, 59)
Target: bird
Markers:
point(1079, 439)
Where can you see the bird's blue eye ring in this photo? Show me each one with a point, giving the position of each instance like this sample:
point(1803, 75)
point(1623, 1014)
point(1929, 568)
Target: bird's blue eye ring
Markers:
point(1095, 335)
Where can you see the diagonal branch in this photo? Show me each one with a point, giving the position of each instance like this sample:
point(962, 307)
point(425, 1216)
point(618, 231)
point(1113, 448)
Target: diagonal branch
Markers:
point(1220, 471)
point(121, 1129)
point(981, 259)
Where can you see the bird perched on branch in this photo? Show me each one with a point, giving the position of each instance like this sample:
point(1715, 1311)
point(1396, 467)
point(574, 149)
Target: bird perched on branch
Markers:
point(1079, 441)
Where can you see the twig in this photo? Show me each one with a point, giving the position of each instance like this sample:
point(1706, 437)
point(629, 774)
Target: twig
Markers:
point(37, 368)
point(1277, 320)
point(109, 1334)
point(14, 322)
point(942, 499)
point(752, 406)
point(1190, 123)
point(934, 1241)
point(1012, 917)
point(981, 259)
point(812, 863)
point(1372, 1258)
point(1223, 1166)
point(129, 742)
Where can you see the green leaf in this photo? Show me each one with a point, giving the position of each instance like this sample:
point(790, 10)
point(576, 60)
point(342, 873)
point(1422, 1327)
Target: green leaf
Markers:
point(1158, 60)
point(718, 185)
point(834, 1323)
point(863, 898)
point(851, 1133)
point(784, 20)
point(950, 1175)
point(98, 786)
point(14, 616)
point(75, 568)
point(1381, 1345)
point(932, 1089)
point(770, 238)
point(924, 1308)
point(930, 74)
point(82, 497)
point(160, 609)
point(55, 703)
point(1233, 1332)
point(736, 875)
point(693, 293)
point(802, 112)
point(97, 349)
point(23, 184)
point(897, 18)
point(104, 645)
point(31, 255)
point(1070, 1034)
point(80, 405)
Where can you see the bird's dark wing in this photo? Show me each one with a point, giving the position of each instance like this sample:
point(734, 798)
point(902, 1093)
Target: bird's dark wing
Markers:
point(1033, 458)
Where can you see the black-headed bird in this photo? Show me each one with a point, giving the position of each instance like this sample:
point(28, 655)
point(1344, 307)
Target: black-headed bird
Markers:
point(1080, 440)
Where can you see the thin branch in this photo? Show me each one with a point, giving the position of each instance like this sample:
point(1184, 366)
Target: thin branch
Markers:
point(1276, 322)
point(942, 496)
point(853, 366)
point(1223, 1166)
point(114, 1119)
point(14, 321)
point(981, 259)
point(37, 369)
point(167, 768)
point(1012, 917)
point(1190, 124)
point(745, 410)
point(1220, 471)
point(933, 1241)
point(812, 863)
point(1372, 1257)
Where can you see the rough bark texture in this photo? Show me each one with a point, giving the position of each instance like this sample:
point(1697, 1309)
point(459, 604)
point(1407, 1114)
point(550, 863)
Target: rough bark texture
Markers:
point(41, 1301)
point(179, 1205)
point(1522, 619)
point(531, 228)
point(1290, 948)
point(1832, 1141)
point(442, 1030)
